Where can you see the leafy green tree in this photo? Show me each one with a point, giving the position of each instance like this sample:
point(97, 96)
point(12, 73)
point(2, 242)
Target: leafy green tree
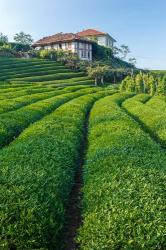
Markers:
point(124, 83)
point(161, 89)
point(124, 50)
point(72, 60)
point(3, 38)
point(48, 54)
point(133, 61)
point(98, 73)
point(139, 83)
point(128, 84)
point(23, 38)
point(152, 85)
point(116, 51)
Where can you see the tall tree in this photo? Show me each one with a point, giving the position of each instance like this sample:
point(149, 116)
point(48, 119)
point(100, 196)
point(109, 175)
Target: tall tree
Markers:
point(161, 89)
point(23, 38)
point(3, 38)
point(133, 61)
point(139, 83)
point(124, 50)
point(116, 51)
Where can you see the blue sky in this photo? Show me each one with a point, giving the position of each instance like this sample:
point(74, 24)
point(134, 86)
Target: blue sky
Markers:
point(140, 24)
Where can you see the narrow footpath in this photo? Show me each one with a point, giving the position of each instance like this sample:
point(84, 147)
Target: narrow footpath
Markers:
point(73, 210)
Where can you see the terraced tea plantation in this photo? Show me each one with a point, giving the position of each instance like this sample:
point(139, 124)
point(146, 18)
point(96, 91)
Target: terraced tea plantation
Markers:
point(82, 167)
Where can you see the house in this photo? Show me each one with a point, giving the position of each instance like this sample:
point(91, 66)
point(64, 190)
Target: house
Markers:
point(80, 43)
point(68, 41)
point(101, 38)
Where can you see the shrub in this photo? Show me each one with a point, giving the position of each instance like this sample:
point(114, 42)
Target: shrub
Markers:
point(36, 190)
point(152, 118)
point(143, 83)
point(123, 193)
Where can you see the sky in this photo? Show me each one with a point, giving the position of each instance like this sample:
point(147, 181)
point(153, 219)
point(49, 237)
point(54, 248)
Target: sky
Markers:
point(140, 24)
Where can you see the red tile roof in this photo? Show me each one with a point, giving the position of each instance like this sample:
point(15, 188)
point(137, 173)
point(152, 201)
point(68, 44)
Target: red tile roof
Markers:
point(60, 37)
point(90, 32)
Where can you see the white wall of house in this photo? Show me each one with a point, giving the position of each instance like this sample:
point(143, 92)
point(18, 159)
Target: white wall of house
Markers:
point(106, 41)
point(83, 49)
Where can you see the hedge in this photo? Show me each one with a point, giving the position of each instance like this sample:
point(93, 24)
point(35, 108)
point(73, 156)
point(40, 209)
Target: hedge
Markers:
point(37, 174)
point(34, 72)
point(18, 102)
point(57, 76)
point(124, 176)
point(152, 119)
point(14, 122)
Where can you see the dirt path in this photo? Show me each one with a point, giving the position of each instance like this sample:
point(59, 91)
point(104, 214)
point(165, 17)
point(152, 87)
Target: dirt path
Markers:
point(73, 210)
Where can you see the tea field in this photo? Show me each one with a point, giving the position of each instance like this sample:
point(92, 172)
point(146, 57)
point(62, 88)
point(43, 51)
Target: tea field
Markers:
point(82, 167)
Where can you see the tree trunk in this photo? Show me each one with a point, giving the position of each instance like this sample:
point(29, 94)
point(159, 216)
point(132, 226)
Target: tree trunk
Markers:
point(95, 81)
point(114, 78)
point(102, 80)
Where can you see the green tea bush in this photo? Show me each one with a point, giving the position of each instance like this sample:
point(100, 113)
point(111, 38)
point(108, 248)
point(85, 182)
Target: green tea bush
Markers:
point(124, 176)
point(37, 175)
point(57, 76)
point(23, 92)
point(14, 122)
point(39, 72)
point(152, 118)
point(18, 102)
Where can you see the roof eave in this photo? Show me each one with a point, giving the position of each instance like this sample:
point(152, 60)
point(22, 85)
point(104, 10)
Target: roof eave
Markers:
point(56, 42)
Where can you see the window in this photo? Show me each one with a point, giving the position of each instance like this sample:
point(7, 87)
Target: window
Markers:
point(75, 45)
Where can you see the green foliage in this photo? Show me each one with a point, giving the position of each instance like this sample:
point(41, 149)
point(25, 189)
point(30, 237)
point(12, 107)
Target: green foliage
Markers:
point(48, 54)
point(35, 195)
point(144, 83)
point(55, 76)
point(3, 39)
point(123, 193)
point(124, 49)
point(20, 47)
point(23, 38)
point(12, 123)
point(124, 170)
point(6, 52)
point(101, 52)
point(161, 90)
point(139, 83)
point(152, 117)
point(98, 73)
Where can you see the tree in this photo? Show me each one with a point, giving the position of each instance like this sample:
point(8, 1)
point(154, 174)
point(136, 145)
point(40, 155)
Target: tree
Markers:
point(133, 61)
point(151, 84)
point(98, 73)
point(128, 84)
point(124, 50)
point(161, 89)
point(23, 38)
point(3, 38)
point(139, 83)
point(124, 83)
point(72, 60)
point(116, 51)
point(48, 54)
